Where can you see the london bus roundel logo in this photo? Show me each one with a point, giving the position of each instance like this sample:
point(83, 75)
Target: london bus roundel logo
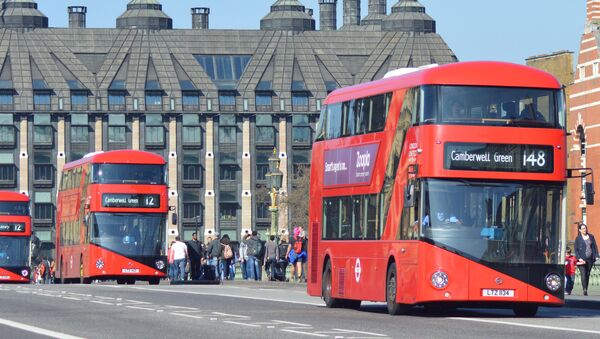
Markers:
point(357, 270)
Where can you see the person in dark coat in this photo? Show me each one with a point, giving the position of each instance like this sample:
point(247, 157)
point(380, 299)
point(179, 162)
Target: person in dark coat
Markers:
point(586, 252)
point(195, 251)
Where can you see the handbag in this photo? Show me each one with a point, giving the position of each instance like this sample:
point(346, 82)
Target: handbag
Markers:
point(292, 255)
point(187, 267)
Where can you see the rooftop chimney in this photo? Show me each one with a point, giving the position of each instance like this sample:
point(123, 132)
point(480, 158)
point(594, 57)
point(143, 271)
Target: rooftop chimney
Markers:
point(351, 12)
point(77, 16)
point(200, 17)
point(309, 11)
point(328, 15)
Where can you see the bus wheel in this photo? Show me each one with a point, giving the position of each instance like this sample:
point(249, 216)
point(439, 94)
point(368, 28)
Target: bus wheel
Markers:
point(121, 281)
point(330, 301)
point(154, 281)
point(393, 307)
point(525, 310)
point(131, 282)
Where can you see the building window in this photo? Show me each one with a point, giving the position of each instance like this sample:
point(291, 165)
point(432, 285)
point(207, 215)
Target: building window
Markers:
point(153, 100)
point(595, 69)
point(41, 100)
point(581, 72)
point(262, 164)
point(264, 102)
point(300, 163)
point(299, 102)
point(6, 100)
point(43, 133)
point(43, 207)
point(155, 131)
point(192, 168)
point(301, 130)
point(80, 136)
point(192, 207)
point(191, 131)
point(43, 170)
point(262, 210)
point(224, 67)
point(226, 102)
point(191, 101)
point(228, 211)
point(228, 172)
point(8, 171)
point(264, 132)
point(116, 100)
point(79, 100)
point(117, 132)
point(7, 131)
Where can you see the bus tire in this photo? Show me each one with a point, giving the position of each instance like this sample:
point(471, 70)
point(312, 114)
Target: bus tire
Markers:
point(154, 281)
point(393, 307)
point(525, 310)
point(121, 281)
point(131, 282)
point(330, 301)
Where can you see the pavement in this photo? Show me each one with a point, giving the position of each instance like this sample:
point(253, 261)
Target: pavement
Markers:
point(578, 300)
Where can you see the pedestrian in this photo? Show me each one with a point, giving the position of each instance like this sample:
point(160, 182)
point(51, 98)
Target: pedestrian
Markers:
point(226, 257)
point(171, 269)
point(586, 251)
point(270, 257)
point(283, 255)
point(244, 257)
point(234, 260)
point(46, 276)
point(297, 254)
point(570, 261)
point(52, 270)
point(254, 249)
point(180, 257)
point(214, 255)
point(195, 252)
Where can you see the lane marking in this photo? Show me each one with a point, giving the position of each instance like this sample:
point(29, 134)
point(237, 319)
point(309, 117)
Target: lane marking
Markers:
point(360, 332)
point(101, 302)
point(230, 315)
point(106, 298)
point(187, 315)
point(36, 330)
point(291, 323)
point(239, 323)
point(305, 333)
point(72, 298)
point(221, 295)
point(141, 308)
point(543, 327)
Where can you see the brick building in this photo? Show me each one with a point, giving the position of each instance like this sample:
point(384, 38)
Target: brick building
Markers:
point(214, 103)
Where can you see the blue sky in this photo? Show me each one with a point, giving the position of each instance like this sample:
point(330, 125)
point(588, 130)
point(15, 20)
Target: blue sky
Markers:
point(506, 30)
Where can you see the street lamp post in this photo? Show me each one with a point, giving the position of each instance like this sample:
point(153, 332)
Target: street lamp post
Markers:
point(274, 180)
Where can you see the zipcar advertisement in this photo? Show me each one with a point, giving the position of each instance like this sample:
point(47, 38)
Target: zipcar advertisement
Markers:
point(352, 165)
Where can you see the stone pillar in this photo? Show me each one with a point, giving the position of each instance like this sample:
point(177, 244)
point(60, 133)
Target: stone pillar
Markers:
point(23, 156)
point(209, 192)
point(283, 167)
point(172, 163)
point(135, 133)
point(98, 134)
point(246, 176)
point(60, 149)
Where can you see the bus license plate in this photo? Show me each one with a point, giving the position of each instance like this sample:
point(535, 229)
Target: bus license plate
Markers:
point(498, 293)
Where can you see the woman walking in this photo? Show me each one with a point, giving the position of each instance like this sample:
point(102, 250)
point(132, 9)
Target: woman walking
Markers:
point(586, 251)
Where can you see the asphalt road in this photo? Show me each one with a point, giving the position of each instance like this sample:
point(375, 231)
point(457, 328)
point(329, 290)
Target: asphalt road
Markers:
point(244, 309)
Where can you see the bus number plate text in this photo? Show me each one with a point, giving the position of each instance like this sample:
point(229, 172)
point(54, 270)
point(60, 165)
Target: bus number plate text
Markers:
point(498, 293)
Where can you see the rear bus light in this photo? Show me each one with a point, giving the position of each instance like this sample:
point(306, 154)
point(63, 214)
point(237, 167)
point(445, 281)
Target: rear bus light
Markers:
point(439, 280)
point(553, 282)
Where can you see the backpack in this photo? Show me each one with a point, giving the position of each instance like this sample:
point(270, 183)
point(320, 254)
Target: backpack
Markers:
point(283, 251)
point(298, 245)
point(227, 252)
point(259, 248)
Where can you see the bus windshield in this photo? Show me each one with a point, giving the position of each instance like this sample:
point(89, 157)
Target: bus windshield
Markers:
point(14, 208)
point(128, 174)
point(496, 106)
point(129, 234)
point(14, 251)
point(516, 223)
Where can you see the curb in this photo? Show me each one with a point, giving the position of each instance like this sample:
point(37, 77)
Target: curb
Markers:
point(585, 304)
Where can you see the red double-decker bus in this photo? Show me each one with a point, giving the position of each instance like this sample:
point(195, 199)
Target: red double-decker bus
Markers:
point(111, 218)
point(15, 238)
point(443, 187)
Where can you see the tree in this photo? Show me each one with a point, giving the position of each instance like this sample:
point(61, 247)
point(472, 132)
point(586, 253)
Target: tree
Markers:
point(296, 201)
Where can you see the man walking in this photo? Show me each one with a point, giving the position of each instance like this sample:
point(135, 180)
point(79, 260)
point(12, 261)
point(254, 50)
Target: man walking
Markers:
point(254, 249)
point(271, 256)
point(180, 256)
point(214, 255)
point(195, 251)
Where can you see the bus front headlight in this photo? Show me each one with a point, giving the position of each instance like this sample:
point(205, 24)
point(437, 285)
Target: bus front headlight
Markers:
point(159, 264)
point(553, 282)
point(439, 279)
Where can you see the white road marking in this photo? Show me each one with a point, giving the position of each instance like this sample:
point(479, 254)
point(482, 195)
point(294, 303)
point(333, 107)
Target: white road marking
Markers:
point(36, 330)
point(239, 323)
point(182, 307)
point(360, 332)
point(78, 294)
point(101, 302)
point(72, 298)
point(543, 327)
point(141, 308)
point(137, 302)
point(187, 315)
point(105, 298)
point(305, 333)
point(230, 315)
point(290, 323)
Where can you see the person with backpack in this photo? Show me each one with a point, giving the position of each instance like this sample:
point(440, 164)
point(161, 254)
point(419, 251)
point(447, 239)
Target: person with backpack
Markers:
point(243, 256)
point(226, 257)
point(282, 258)
point(254, 249)
point(297, 253)
point(570, 263)
point(270, 257)
point(214, 255)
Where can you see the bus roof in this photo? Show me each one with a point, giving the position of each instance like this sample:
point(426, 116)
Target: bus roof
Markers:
point(13, 196)
point(473, 73)
point(119, 157)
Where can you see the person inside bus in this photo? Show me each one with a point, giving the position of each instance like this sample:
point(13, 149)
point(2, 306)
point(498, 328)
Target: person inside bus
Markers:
point(4, 257)
point(510, 110)
point(457, 111)
point(529, 113)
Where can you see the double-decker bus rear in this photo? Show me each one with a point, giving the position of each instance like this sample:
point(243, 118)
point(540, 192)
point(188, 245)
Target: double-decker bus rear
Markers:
point(456, 198)
point(15, 238)
point(113, 219)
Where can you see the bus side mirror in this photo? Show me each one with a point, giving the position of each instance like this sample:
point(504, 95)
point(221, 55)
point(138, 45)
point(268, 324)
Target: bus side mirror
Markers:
point(174, 219)
point(409, 196)
point(589, 193)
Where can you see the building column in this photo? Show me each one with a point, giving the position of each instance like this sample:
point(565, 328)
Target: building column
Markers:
point(135, 133)
point(283, 167)
point(98, 134)
point(209, 191)
point(60, 149)
point(246, 176)
point(23, 156)
point(173, 194)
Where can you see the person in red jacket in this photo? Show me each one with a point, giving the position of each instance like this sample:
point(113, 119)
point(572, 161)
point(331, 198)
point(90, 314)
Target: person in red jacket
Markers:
point(570, 263)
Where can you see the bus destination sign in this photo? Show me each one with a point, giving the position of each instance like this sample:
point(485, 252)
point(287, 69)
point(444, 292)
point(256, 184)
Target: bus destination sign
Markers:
point(12, 227)
point(498, 157)
point(131, 200)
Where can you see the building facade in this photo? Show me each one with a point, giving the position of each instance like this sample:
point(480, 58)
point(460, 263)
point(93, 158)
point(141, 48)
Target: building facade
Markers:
point(213, 103)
